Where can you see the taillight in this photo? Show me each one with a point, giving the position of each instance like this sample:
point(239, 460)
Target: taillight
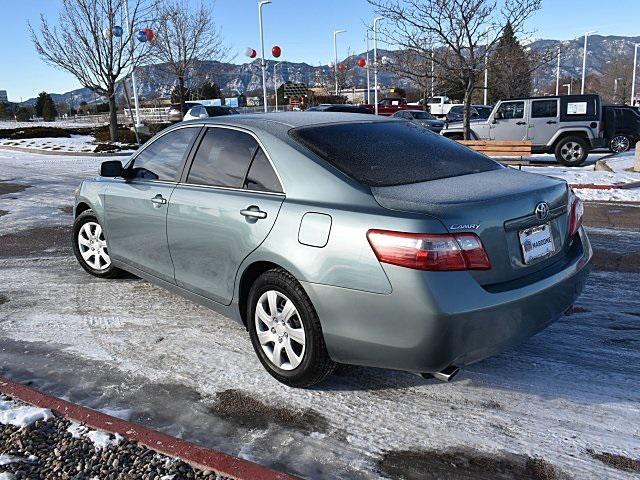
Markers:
point(576, 209)
point(427, 251)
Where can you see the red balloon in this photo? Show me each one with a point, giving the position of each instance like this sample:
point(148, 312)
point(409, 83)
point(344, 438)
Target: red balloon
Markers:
point(250, 52)
point(150, 34)
point(362, 62)
point(276, 51)
point(341, 67)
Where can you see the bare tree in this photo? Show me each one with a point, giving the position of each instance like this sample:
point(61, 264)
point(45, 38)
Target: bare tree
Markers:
point(454, 34)
point(185, 37)
point(84, 44)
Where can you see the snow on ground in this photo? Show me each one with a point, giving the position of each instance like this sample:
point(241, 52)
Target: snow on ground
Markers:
point(99, 439)
point(19, 415)
point(60, 123)
point(51, 181)
point(127, 344)
point(76, 143)
point(587, 175)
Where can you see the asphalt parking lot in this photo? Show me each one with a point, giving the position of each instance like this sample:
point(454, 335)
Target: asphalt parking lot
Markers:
point(564, 404)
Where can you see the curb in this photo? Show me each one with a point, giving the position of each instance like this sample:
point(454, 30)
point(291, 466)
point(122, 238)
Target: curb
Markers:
point(66, 154)
point(197, 456)
point(614, 186)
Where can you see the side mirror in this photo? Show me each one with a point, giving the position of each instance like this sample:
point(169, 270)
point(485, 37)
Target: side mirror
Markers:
point(111, 168)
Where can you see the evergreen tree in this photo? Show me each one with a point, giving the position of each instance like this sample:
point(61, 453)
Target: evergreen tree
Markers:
point(40, 101)
point(49, 111)
point(210, 90)
point(510, 69)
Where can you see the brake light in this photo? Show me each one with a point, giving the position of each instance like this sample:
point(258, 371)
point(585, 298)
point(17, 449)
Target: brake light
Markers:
point(428, 251)
point(576, 210)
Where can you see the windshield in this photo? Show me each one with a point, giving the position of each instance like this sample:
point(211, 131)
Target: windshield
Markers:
point(484, 112)
point(390, 153)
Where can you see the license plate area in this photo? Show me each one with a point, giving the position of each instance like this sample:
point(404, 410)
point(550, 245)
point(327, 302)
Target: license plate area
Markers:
point(536, 243)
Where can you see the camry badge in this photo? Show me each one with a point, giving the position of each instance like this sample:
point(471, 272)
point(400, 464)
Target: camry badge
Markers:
point(542, 210)
point(464, 226)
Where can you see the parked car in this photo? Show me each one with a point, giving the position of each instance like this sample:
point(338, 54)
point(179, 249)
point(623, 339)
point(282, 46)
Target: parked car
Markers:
point(621, 126)
point(389, 106)
point(478, 112)
point(338, 107)
point(569, 126)
point(339, 237)
point(206, 111)
point(176, 115)
point(422, 118)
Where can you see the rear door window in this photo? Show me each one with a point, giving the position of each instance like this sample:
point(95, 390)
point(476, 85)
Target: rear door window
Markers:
point(544, 108)
point(261, 176)
point(223, 158)
point(385, 153)
point(162, 159)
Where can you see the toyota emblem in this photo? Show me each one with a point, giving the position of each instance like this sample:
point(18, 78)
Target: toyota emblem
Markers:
point(542, 210)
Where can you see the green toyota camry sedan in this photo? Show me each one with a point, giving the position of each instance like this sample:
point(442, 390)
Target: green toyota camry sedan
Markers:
point(340, 238)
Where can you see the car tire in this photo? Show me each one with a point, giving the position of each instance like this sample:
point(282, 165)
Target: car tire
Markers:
point(572, 151)
point(90, 246)
point(620, 144)
point(290, 344)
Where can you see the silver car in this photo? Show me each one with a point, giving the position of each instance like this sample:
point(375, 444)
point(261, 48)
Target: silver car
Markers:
point(340, 238)
point(421, 118)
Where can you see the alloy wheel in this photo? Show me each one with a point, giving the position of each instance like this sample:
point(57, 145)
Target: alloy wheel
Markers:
point(620, 143)
point(571, 151)
point(280, 330)
point(93, 246)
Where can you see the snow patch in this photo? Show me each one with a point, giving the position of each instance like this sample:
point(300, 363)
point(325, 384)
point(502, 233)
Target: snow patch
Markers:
point(12, 413)
point(99, 439)
point(6, 476)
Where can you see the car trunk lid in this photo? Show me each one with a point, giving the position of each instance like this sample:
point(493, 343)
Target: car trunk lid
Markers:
point(496, 205)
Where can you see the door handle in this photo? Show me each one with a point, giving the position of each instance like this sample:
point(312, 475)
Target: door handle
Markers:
point(253, 212)
point(159, 200)
point(550, 122)
point(521, 123)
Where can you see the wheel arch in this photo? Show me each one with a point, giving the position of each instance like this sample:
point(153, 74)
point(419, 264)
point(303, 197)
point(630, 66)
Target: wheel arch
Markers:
point(249, 275)
point(560, 135)
point(80, 208)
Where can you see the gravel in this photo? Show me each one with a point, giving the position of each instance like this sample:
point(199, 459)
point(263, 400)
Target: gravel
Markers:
point(47, 450)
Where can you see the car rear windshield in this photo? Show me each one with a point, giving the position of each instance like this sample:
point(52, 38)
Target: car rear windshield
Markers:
point(382, 154)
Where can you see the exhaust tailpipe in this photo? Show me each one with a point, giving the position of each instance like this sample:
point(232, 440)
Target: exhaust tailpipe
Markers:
point(445, 375)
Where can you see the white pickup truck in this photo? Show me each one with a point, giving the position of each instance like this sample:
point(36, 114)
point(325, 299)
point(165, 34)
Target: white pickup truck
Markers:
point(439, 106)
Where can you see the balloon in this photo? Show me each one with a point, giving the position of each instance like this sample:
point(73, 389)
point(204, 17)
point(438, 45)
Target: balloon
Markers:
point(276, 51)
point(250, 52)
point(150, 34)
point(341, 67)
point(362, 62)
point(117, 31)
point(141, 36)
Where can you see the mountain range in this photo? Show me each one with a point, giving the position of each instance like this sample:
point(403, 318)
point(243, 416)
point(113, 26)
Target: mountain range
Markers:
point(153, 81)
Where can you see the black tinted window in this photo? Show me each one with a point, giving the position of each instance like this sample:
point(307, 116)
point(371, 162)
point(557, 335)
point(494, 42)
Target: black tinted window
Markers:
point(544, 108)
point(391, 153)
point(261, 176)
point(163, 157)
point(511, 110)
point(222, 158)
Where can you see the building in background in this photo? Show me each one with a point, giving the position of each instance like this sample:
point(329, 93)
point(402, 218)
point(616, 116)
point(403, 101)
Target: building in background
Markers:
point(3, 96)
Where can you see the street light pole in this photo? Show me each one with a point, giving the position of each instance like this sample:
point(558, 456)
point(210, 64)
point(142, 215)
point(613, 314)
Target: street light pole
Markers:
point(558, 73)
point(633, 80)
point(486, 68)
point(133, 76)
point(335, 57)
point(262, 61)
point(368, 76)
point(584, 58)
point(375, 62)
point(275, 83)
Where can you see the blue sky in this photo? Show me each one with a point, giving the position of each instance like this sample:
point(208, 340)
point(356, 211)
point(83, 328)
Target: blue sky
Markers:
point(303, 29)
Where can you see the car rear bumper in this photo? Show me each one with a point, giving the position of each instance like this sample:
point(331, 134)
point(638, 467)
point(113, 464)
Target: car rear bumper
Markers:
point(447, 318)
